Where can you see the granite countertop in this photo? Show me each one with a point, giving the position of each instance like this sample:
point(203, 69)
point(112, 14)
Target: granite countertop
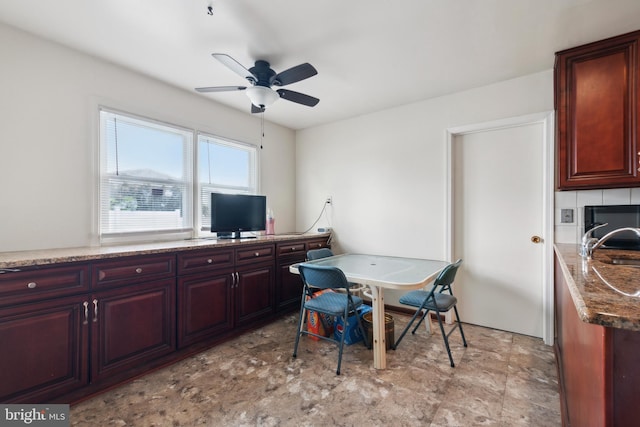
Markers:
point(603, 293)
point(57, 256)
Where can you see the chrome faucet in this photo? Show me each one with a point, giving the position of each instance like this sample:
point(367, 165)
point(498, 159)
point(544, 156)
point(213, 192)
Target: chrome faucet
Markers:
point(590, 244)
point(588, 241)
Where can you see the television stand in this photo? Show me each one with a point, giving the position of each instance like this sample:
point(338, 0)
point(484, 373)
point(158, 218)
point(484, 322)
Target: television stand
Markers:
point(233, 235)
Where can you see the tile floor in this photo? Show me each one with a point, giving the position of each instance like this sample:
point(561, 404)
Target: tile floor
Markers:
point(500, 379)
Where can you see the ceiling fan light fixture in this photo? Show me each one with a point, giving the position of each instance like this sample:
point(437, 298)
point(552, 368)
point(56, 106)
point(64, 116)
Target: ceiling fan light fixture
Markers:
point(262, 96)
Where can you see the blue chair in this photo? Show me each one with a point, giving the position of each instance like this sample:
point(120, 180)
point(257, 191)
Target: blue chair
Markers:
point(319, 253)
point(435, 300)
point(329, 303)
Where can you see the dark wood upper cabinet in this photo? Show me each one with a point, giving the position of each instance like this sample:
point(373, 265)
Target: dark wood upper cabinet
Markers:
point(596, 95)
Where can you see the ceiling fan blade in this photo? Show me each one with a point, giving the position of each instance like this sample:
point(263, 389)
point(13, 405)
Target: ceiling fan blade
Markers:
point(220, 89)
point(255, 109)
point(235, 66)
point(294, 74)
point(298, 97)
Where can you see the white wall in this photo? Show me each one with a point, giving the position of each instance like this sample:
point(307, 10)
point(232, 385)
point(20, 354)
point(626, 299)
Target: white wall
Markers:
point(48, 132)
point(386, 171)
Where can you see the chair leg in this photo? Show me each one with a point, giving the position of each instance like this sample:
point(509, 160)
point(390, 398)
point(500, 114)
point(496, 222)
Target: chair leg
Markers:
point(301, 320)
point(446, 341)
point(464, 341)
point(404, 332)
point(341, 344)
point(420, 322)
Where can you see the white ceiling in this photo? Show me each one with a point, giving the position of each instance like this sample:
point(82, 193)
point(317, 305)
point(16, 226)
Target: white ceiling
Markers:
point(370, 54)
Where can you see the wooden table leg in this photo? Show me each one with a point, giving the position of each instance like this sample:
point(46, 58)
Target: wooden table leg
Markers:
point(379, 346)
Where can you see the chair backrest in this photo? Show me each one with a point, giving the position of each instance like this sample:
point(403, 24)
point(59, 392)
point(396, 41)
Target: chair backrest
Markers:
point(319, 253)
point(323, 276)
point(447, 275)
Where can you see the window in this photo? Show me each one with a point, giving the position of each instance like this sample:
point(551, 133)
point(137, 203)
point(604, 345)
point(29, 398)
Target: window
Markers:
point(147, 184)
point(146, 176)
point(223, 167)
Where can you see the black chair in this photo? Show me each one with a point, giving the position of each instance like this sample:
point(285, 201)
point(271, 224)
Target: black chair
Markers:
point(435, 300)
point(329, 303)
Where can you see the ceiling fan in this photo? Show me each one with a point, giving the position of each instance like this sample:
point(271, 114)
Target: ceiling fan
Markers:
point(262, 78)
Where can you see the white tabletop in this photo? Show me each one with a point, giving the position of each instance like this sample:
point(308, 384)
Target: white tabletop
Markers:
point(384, 271)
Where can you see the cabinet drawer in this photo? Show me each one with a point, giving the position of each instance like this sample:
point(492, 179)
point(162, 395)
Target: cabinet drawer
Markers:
point(291, 248)
point(262, 253)
point(40, 283)
point(317, 244)
point(132, 270)
point(204, 261)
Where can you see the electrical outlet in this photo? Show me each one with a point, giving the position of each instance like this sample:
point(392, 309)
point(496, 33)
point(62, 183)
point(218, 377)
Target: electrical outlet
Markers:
point(566, 216)
point(328, 200)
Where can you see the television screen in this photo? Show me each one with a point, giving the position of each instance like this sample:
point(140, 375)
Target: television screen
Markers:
point(617, 216)
point(232, 214)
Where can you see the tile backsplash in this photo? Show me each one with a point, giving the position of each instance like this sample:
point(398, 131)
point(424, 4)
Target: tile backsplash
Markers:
point(577, 200)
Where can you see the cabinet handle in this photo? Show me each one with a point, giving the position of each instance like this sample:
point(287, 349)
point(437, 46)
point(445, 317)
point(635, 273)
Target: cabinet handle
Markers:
point(237, 279)
point(32, 285)
point(257, 254)
point(95, 310)
point(86, 312)
point(210, 261)
point(138, 270)
point(9, 270)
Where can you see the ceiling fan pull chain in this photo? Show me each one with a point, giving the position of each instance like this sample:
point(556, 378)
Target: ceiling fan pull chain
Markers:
point(262, 128)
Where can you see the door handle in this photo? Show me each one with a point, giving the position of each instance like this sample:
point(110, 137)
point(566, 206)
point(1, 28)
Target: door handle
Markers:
point(536, 239)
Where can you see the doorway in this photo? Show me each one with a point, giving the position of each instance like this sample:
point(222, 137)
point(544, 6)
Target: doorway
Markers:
point(500, 202)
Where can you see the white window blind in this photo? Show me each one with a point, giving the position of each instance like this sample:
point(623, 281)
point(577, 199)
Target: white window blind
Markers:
point(145, 176)
point(223, 167)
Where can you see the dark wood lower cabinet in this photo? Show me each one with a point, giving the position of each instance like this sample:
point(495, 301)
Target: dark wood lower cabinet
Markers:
point(205, 307)
point(70, 331)
point(598, 367)
point(43, 350)
point(131, 325)
point(289, 285)
point(254, 293)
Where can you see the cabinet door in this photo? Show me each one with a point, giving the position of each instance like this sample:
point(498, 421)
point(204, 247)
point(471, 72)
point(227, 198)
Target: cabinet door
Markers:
point(289, 286)
point(597, 114)
point(131, 325)
point(205, 306)
point(44, 350)
point(254, 292)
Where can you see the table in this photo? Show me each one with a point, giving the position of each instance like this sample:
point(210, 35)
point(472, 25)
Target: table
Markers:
point(380, 272)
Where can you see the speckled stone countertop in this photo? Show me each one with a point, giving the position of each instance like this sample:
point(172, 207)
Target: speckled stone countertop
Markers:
point(57, 256)
point(604, 294)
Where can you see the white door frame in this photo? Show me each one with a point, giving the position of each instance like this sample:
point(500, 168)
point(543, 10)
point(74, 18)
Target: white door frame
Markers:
point(547, 121)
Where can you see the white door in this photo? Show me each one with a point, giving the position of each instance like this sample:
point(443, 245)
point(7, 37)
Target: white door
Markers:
point(498, 207)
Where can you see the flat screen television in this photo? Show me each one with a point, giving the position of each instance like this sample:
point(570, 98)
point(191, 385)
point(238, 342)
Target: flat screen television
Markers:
point(231, 214)
point(617, 216)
